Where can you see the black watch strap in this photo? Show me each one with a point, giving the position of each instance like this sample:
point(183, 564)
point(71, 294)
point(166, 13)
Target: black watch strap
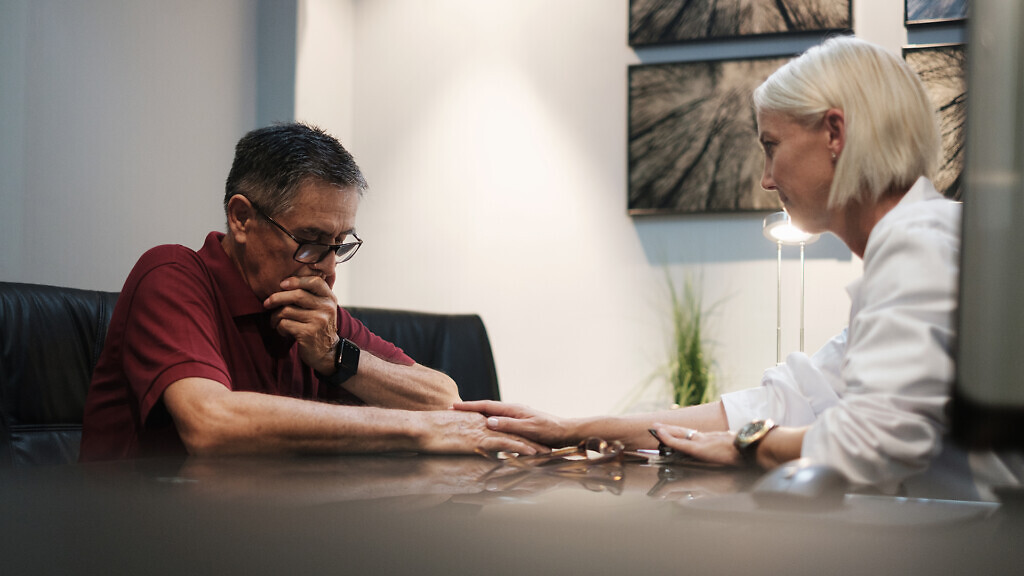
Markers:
point(346, 363)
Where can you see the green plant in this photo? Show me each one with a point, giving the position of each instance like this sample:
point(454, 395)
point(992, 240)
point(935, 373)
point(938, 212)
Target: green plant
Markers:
point(689, 367)
point(688, 371)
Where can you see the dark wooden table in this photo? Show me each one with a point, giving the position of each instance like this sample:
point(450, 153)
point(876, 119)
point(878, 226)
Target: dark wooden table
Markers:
point(406, 514)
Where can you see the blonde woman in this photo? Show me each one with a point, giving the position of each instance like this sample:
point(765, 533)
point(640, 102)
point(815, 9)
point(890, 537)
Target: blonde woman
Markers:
point(850, 141)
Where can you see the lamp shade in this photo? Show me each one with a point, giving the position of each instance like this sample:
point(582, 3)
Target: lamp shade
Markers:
point(779, 228)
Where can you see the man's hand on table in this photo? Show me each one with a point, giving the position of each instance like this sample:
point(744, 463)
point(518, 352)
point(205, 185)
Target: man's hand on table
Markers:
point(454, 431)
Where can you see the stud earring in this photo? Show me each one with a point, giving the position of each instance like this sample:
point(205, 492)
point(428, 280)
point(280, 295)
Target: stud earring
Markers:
point(833, 156)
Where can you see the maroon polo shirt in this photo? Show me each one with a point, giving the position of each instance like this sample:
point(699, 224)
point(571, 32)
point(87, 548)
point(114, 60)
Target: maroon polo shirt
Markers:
point(185, 314)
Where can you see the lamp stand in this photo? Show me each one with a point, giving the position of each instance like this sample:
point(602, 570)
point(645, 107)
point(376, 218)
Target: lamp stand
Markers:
point(778, 303)
point(802, 284)
point(778, 228)
point(778, 310)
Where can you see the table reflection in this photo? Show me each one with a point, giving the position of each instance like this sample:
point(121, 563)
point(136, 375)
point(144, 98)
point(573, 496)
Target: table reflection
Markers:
point(408, 481)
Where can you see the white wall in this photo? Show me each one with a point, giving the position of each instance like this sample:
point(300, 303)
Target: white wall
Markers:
point(117, 127)
point(493, 134)
point(324, 78)
point(494, 138)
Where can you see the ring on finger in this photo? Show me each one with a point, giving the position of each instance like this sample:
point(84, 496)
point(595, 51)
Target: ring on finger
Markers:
point(690, 434)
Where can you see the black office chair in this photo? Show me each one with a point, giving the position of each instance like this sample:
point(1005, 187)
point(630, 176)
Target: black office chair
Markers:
point(50, 340)
point(456, 344)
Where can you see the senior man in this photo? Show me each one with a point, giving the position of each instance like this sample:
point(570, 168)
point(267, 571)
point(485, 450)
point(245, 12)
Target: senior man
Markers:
point(236, 348)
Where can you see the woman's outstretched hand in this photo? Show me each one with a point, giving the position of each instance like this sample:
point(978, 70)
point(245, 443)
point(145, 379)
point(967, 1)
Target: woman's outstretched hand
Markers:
point(522, 421)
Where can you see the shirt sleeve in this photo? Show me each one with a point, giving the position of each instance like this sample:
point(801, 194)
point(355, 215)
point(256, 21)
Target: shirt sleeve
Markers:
point(794, 393)
point(356, 332)
point(171, 332)
point(898, 365)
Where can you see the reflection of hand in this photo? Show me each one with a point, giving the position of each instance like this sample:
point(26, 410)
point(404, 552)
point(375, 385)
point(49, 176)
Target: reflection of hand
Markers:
point(712, 447)
point(505, 484)
point(686, 482)
point(455, 432)
point(521, 421)
point(307, 310)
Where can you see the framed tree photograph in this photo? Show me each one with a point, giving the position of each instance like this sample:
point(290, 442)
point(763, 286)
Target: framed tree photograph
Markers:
point(653, 22)
point(919, 12)
point(943, 70)
point(693, 137)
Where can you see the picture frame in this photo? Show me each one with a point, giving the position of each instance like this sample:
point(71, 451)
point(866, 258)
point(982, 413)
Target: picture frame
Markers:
point(659, 22)
point(943, 70)
point(926, 12)
point(692, 144)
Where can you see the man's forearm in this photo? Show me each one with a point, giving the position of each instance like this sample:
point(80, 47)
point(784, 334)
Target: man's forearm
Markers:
point(213, 420)
point(387, 385)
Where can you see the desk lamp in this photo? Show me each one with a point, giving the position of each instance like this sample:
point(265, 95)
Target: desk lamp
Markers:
point(778, 228)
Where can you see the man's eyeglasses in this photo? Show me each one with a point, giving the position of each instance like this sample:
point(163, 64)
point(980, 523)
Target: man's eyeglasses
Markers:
point(314, 252)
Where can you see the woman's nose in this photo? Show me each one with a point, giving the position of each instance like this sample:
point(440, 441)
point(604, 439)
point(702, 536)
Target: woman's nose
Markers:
point(766, 179)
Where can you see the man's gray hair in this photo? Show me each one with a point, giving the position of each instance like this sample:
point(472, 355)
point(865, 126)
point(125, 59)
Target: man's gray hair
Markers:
point(272, 163)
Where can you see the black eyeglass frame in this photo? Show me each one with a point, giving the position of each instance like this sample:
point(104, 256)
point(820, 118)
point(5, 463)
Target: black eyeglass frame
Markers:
point(305, 245)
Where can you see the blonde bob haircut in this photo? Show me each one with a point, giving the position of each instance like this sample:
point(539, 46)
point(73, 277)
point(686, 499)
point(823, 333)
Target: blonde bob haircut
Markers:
point(892, 135)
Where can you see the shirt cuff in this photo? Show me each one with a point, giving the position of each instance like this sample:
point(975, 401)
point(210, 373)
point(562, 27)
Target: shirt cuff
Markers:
point(745, 405)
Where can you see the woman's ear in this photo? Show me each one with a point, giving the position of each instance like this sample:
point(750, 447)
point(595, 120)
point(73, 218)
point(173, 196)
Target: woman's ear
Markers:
point(835, 127)
point(241, 217)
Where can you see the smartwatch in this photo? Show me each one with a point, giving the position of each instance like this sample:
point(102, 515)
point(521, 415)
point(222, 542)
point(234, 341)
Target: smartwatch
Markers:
point(750, 435)
point(346, 363)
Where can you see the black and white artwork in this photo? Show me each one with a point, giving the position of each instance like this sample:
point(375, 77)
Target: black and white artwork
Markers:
point(943, 70)
point(670, 21)
point(934, 11)
point(693, 137)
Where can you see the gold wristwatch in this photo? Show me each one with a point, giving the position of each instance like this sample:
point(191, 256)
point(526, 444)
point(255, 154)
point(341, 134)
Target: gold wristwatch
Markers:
point(750, 435)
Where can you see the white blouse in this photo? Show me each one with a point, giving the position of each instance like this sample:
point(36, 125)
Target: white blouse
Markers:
point(875, 395)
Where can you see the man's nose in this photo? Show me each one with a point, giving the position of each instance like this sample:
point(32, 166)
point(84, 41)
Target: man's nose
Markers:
point(325, 265)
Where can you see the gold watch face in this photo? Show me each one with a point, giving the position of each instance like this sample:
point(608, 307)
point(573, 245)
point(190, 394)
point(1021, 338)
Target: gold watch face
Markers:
point(752, 432)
